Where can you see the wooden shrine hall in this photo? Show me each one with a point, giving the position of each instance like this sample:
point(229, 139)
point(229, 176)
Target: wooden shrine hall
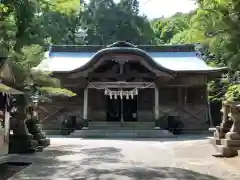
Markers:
point(126, 85)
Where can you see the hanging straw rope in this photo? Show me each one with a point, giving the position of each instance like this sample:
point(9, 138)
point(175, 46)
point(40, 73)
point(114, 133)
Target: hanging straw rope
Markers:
point(144, 87)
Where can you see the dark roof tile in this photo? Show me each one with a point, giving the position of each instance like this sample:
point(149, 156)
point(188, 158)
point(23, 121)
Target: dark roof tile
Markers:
point(95, 48)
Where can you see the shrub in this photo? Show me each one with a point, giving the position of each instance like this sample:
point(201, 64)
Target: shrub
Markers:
point(233, 93)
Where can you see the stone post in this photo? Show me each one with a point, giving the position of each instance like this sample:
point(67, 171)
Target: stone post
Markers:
point(156, 105)
point(85, 108)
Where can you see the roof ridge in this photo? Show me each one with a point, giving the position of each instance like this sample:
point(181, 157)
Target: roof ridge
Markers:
point(140, 45)
point(95, 48)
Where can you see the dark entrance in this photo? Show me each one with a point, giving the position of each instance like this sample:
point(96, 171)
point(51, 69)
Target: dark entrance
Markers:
point(113, 109)
point(126, 107)
point(130, 109)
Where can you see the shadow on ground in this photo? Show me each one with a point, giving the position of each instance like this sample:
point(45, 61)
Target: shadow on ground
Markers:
point(74, 172)
point(146, 173)
point(103, 163)
point(102, 151)
point(63, 161)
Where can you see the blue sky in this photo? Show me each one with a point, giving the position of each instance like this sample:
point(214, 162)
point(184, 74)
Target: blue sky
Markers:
point(158, 8)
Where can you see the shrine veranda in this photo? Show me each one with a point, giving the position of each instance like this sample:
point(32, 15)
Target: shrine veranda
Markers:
point(126, 83)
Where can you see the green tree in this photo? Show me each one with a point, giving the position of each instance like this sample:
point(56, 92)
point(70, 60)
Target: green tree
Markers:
point(60, 21)
point(216, 25)
point(166, 28)
point(108, 21)
point(24, 44)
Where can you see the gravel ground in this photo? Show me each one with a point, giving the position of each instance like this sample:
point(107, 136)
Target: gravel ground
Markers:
point(187, 157)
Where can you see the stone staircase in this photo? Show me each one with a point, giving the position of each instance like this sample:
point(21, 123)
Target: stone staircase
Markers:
point(123, 125)
point(121, 130)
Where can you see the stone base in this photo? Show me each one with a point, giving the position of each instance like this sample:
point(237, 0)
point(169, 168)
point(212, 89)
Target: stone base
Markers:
point(227, 151)
point(231, 143)
point(226, 148)
point(39, 136)
point(44, 142)
point(39, 149)
point(22, 144)
point(47, 142)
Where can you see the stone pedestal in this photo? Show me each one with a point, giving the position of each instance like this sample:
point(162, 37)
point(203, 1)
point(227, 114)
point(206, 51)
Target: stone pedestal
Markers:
point(35, 129)
point(227, 139)
point(234, 133)
point(227, 152)
point(231, 143)
point(226, 124)
point(232, 138)
point(41, 137)
point(22, 144)
point(21, 141)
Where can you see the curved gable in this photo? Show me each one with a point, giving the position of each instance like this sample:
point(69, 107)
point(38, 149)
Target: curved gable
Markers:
point(144, 59)
point(122, 44)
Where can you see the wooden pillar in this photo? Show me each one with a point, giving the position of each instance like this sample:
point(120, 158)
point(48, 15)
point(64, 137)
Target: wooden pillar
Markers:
point(156, 108)
point(208, 111)
point(180, 97)
point(122, 106)
point(85, 104)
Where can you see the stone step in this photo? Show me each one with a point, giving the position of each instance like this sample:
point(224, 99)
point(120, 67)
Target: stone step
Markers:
point(124, 125)
point(122, 134)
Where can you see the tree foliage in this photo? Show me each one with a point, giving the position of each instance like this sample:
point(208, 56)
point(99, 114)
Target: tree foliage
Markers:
point(23, 37)
point(216, 25)
point(233, 93)
point(27, 27)
point(166, 28)
point(108, 21)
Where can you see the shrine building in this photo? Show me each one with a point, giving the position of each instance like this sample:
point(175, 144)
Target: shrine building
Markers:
point(129, 86)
